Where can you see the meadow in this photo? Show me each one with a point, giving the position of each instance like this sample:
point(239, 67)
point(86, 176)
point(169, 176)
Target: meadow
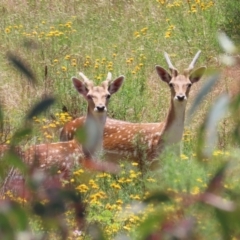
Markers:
point(54, 40)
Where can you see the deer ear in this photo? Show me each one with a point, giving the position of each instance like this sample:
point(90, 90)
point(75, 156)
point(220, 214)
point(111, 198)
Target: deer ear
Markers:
point(163, 74)
point(79, 85)
point(197, 74)
point(115, 85)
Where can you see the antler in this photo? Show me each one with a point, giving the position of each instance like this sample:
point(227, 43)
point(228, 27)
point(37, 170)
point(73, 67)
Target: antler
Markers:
point(88, 83)
point(107, 81)
point(173, 70)
point(191, 66)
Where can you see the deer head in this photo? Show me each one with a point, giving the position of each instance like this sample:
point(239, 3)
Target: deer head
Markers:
point(180, 85)
point(97, 96)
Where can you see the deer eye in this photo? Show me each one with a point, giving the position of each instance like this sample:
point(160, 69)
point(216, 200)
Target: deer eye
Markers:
point(170, 85)
point(189, 85)
point(89, 96)
point(108, 96)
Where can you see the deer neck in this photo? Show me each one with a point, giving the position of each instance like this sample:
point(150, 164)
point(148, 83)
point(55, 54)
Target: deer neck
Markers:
point(94, 127)
point(174, 124)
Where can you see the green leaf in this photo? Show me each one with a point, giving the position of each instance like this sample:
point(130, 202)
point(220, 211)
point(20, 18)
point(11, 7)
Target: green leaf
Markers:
point(6, 230)
point(21, 216)
point(206, 88)
point(223, 218)
point(40, 107)
point(158, 197)
point(81, 134)
point(39, 209)
point(148, 226)
point(215, 184)
point(22, 66)
point(19, 135)
point(14, 160)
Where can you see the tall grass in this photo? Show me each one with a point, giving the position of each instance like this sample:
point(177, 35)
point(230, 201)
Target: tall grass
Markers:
point(57, 40)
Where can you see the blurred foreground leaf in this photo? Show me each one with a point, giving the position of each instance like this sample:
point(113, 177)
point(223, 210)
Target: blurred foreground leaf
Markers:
point(215, 185)
point(13, 159)
point(206, 88)
point(19, 135)
point(226, 43)
point(158, 197)
point(22, 66)
point(217, 112)
point(95, 232)
point(40, 107)
point(20, 214)
point(229, 221)
point(6, 230)
point(151, 224)
point(81, 134)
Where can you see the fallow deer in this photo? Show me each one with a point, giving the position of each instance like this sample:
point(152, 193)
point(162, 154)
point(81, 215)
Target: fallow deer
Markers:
point(64, 155)
point(120, 137)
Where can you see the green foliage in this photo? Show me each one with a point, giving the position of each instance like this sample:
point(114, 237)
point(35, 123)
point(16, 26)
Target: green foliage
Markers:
point(231, 25)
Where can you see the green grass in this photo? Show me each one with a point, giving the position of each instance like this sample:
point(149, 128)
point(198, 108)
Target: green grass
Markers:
point(59, 39)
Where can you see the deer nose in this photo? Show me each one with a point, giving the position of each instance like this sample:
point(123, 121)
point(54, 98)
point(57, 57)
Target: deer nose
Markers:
point(181, 98)
point(100, 108)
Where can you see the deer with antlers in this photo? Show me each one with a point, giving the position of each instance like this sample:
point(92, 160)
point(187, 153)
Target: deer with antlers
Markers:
point(122, 138)
point(64, 155)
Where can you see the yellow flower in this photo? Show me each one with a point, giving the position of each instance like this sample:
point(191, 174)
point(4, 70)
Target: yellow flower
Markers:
point(67, 57)
point(144, 29)
point(103, 175)
point(135, 197)
point(78, 172)
point(168, 34)
point(195, 191)
point(133, 174)
point(134, 164)
point(199, 180)
point(121, 180)
point(64, 69)
point(119, 202)
point(55, 60)
point(82, 188)
point(151, 180)
point(7, 30)
point(184, 157)
point(116, 186)
point(127, 228)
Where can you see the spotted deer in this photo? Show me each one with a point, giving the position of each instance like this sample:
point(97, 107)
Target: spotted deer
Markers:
point(64, 155)
point(121, 139)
